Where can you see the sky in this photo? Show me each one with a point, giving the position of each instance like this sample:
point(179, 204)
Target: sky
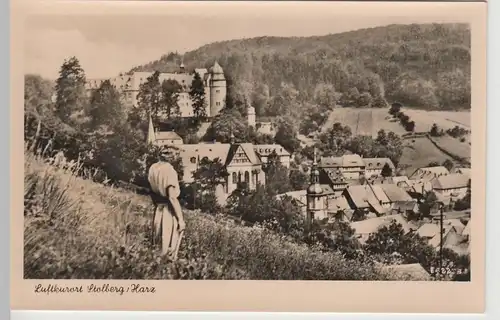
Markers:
point(107, 44)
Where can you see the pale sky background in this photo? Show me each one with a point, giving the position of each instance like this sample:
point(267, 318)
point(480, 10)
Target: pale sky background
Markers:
point(108, 44)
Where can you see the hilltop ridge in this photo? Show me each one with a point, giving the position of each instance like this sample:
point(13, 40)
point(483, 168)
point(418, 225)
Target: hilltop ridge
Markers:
point(424, 66)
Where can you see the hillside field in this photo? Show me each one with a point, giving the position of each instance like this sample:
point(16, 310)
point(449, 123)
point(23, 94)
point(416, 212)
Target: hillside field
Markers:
point(366, 121)
point(419, 154)
point(415, 154)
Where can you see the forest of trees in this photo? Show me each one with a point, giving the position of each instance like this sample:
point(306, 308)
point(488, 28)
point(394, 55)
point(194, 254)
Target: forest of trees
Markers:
point(423, 66)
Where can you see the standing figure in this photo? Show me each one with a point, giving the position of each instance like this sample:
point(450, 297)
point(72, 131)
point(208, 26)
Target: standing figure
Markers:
point(168, 220)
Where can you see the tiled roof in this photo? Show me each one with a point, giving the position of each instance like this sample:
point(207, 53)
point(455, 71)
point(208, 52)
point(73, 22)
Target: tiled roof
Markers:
point(428, 173)
point(451, 181)
point(395, 193)
point(338, 203)
point(335, 175)
point(377, 163)
point(379, 193)
point(456, 223)
point(267, 149)
point(369, 226)
point(404, 205)
point(347, 160)
point(299, 195)
point(466, 231)
point(364, 197)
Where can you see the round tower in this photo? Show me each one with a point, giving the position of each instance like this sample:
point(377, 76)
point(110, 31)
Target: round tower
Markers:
point(218, 90)
point(251, 116)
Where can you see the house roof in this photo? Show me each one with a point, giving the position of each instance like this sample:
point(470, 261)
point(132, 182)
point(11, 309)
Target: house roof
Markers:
point(338, 203)
point(335, 175)
point(428, 230)
point(347, 160)
point(359, 195)
point(456, 223)
point(451, 181)
point(395, 193)
point(398, 179)
point(167, 135)
point(435, 241)
point(247, 149)
point(431, 231)
point(379, 193)
point(466, 231)
point(299, 195)
point(369, 226)
point(404, 205)
point(267, 149)
point(429, 173)
point(463, 170)
point(377, 163)
point(413, 271)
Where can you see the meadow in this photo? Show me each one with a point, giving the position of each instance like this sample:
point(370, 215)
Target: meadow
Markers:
point(417, 152)
point(368, 121)
point(77, 229)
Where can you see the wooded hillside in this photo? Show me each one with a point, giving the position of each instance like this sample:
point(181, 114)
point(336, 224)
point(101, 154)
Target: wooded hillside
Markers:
point(424, 66)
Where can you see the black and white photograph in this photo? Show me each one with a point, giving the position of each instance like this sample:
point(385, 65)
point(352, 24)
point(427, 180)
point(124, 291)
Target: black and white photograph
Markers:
point(207, 147)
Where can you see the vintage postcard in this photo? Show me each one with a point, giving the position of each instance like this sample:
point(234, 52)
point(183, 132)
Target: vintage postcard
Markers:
point(284, 156)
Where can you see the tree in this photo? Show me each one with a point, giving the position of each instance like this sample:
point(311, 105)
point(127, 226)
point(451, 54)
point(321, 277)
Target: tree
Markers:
point(106, 108)
point(170, 90)
point(392, 245)
point(149, 98)
point(210, 173)
point(286, 136)
point(435, 132)
point(197, 94)
point(386, 170)
point(410, 126)
point(448, 164)
point(298, 179)
point(228, 122)
point(365, 99)
point(71, 96)
point(395, 108)
point(379, 102)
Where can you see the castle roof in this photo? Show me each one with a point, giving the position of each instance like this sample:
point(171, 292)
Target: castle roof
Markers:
point(217, 69)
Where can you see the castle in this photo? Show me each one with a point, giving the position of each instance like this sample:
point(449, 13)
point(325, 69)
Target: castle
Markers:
point(213, 78)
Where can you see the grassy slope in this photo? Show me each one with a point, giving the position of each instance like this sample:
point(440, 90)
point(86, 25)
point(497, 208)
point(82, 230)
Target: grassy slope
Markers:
point(77, 229)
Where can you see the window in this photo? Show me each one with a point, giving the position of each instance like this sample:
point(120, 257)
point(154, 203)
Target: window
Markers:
point(247, 177)
point(217, 91)
point(235, 178)
point(193, 160)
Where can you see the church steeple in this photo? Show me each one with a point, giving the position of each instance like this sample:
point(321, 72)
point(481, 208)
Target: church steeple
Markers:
point(314, 194)
point(151, 131)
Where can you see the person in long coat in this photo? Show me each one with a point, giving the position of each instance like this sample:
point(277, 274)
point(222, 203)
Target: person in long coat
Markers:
point(168, 220)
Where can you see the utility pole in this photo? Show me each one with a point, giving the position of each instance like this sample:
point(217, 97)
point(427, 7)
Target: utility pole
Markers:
point(441, 234)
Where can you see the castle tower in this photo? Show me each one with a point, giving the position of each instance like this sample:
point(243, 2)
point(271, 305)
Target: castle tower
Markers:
point(315, 204)
point(218, 90)
point(251, 116)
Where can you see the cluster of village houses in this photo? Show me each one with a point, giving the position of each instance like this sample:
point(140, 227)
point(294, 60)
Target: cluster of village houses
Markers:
point(347, 184)
point(342, 186)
